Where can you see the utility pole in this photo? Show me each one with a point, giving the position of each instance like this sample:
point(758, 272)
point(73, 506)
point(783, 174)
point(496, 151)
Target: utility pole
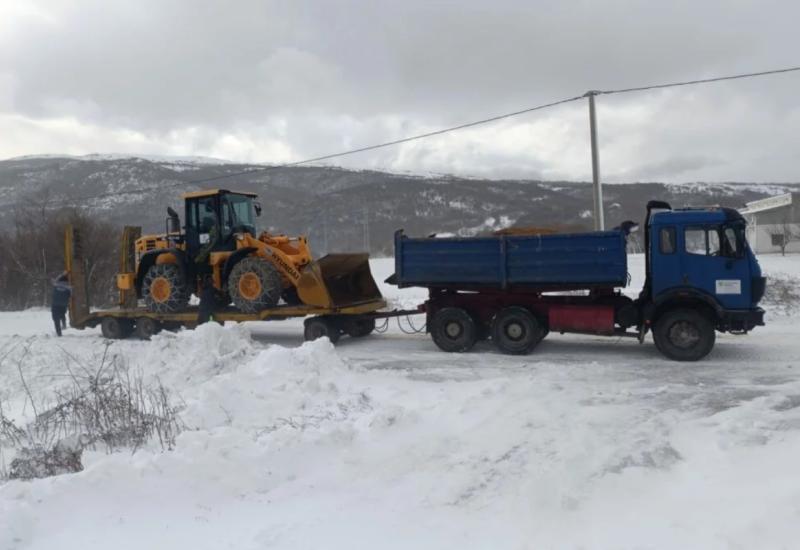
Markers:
point(597, 189)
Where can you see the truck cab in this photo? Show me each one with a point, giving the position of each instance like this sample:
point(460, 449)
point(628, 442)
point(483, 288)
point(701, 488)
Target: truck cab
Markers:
point(698, 260)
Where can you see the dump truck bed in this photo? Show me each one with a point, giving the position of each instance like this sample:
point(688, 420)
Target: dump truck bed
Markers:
point(546, 262)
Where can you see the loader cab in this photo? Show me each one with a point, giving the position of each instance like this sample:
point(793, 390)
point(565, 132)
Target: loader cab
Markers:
point(214, 217)
point(703, 252)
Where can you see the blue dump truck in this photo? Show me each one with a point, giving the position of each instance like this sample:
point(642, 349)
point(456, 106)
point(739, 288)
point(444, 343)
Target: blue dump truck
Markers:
point(701, 277)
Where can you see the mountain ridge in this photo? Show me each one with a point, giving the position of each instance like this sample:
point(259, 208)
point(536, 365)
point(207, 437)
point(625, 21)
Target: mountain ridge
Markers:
point(338, 208)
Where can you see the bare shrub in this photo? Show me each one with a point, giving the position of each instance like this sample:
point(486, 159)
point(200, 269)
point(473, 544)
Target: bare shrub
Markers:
point(782, 292)
point(108, 408)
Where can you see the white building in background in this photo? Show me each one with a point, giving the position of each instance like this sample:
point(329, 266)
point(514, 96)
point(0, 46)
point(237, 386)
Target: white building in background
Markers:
point(773, 221)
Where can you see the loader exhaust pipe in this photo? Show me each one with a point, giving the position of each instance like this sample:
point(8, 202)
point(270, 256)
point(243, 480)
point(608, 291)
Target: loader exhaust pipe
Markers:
point(174, 222)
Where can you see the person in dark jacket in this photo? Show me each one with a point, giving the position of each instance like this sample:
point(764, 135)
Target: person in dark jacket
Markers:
point(58, 308)
point(207, 299)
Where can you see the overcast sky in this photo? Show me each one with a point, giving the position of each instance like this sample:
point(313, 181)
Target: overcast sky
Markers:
point(277, 81)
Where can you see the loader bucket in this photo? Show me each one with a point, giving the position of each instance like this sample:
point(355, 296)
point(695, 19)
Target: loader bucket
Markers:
point(338, 280)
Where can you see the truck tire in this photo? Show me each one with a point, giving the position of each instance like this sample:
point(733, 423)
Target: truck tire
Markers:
point(164, 289)
point(684, 335)
point(516, 331)
point(114, 328)
point(453, 330)
point(318, 327)
point(254, 284)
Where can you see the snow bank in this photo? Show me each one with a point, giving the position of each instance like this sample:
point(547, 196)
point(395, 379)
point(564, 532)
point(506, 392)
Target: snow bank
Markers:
point(385, 442)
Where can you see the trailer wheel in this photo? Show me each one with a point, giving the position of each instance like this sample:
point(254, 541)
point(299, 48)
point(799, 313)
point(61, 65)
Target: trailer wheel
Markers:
point(684, 335)
point(164, 289)
point(453, 330)
point(146, 327)
point(115, 329)
point(318, 327)
point(516, 331)
point(254, 284)
point(360, 328)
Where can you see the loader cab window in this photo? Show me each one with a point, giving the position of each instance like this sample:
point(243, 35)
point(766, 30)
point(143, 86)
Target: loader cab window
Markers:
point(201, 215)
point(238, 215)
point(201, 222)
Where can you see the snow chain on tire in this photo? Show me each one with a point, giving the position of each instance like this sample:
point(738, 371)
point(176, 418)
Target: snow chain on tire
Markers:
point(254, 284)
point(164, 289)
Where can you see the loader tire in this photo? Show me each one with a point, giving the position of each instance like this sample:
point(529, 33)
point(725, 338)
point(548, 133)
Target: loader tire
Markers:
point(164, 289)
point(254, 284)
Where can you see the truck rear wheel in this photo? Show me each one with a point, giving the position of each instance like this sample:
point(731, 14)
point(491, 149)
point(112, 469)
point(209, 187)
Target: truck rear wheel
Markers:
point(164, 289)
point(516, 331)
point(684, 335)
point(254, 284)
point(453, 329)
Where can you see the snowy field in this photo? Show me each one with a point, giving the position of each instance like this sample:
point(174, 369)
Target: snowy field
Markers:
point(386, 442)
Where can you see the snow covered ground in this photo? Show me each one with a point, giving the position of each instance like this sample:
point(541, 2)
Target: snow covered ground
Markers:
point(386, 442)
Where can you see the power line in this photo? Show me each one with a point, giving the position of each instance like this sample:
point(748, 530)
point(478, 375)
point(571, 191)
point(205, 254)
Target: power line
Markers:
point(394, 142)
point(693, 82)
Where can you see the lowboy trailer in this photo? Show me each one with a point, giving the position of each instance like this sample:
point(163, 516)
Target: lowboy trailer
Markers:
point(701, 277)
point(356, 318)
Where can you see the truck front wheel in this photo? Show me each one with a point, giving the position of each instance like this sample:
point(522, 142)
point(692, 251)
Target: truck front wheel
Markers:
point(453, 329)
point(684, 335)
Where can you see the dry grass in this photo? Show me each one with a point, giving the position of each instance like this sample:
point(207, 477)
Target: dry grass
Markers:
point(107, 407)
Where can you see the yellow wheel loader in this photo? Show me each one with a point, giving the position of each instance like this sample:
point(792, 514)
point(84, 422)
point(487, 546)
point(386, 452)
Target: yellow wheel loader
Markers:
point(219, 244)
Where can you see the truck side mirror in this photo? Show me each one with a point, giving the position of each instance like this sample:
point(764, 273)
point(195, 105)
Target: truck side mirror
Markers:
point(257, 206)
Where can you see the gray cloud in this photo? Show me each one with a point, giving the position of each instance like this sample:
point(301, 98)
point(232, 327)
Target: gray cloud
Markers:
point(282, 80)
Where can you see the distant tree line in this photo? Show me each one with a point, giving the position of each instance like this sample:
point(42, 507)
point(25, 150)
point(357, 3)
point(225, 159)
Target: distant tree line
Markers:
point(32, 255)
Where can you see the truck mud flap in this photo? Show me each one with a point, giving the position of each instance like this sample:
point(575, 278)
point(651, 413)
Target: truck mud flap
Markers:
point(338, 280)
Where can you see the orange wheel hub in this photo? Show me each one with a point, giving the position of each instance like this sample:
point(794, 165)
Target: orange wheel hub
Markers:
point(250, 286)
point(160, 289)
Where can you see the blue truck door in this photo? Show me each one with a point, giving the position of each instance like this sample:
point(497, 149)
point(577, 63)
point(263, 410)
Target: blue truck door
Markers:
point(665, 261)
point(711, 263)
